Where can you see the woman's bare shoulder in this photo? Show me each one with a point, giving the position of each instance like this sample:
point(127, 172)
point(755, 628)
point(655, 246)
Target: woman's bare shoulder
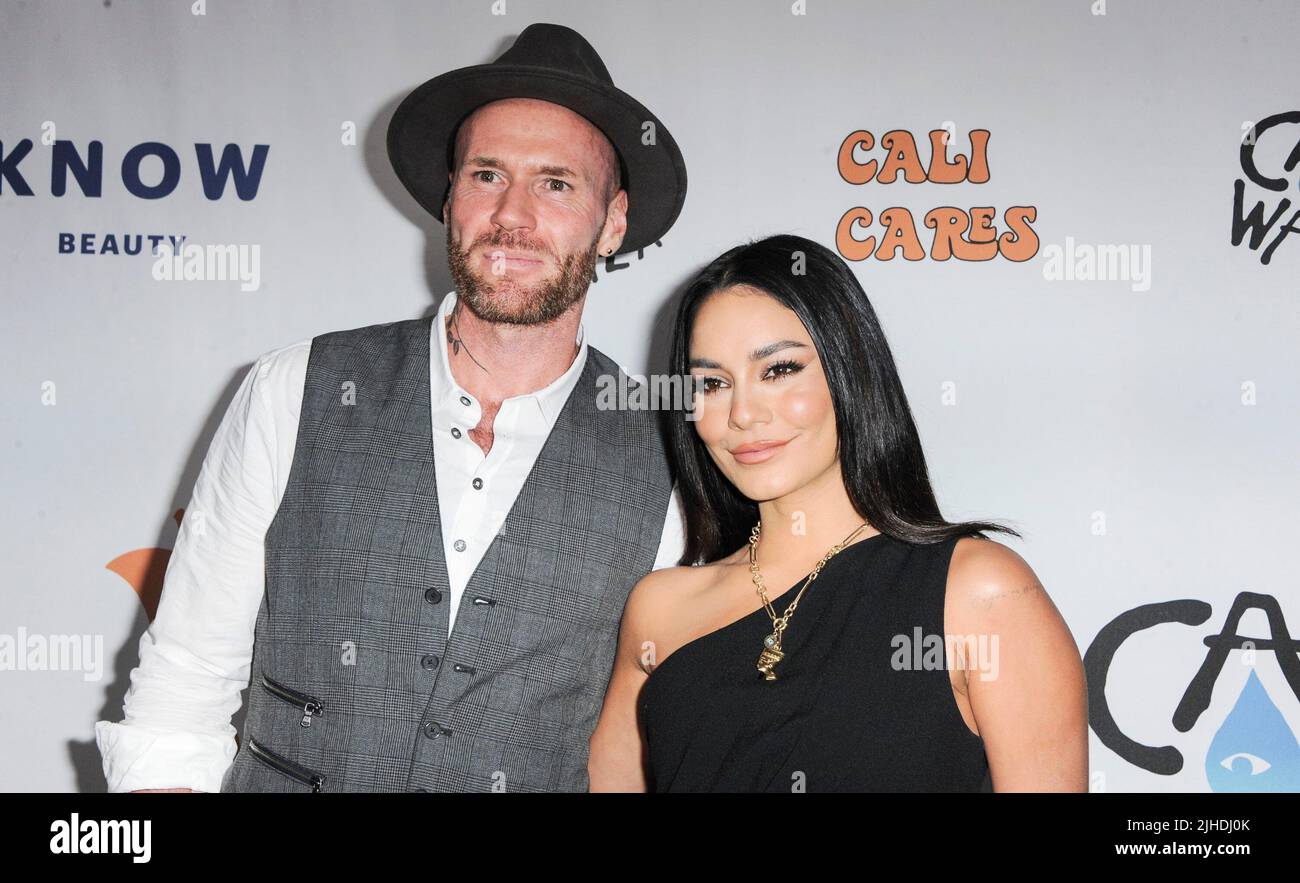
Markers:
point(671, 585)
point(993, 590)
point(984, 571)
point(662, 597)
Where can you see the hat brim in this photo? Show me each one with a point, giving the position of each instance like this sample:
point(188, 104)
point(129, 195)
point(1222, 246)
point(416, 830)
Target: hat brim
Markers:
point(420, 148)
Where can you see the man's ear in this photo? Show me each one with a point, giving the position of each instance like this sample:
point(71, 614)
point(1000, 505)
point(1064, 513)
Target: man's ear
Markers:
point(615, 224)
point(446, 201)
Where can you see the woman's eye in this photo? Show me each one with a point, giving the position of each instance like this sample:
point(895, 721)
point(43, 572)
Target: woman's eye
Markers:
point(709, 385)
point(784, 369)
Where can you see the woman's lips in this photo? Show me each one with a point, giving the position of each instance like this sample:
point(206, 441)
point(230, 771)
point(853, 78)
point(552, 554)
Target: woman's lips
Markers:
point(757, 453)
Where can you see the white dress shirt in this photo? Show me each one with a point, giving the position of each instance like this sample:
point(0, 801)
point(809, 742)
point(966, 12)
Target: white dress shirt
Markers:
point(195, 657)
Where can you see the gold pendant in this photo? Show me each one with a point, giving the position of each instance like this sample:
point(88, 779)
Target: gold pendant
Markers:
point(770, 656)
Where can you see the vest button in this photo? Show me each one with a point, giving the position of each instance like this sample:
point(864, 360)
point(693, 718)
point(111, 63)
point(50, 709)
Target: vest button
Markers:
point(455, 432)
point(432, 595)
point(429, 662)
point(432, 729)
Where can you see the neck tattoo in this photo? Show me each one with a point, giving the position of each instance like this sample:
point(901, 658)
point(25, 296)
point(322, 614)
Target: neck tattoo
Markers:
point(453, 337)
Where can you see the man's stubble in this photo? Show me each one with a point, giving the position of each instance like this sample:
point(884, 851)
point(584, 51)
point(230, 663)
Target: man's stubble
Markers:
point(503, 299)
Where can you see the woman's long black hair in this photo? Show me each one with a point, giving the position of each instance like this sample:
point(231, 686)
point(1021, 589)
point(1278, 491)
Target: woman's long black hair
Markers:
point(879, 448)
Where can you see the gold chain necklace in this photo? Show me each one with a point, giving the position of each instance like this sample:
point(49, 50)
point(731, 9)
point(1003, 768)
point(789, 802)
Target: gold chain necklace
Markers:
point(772, 653)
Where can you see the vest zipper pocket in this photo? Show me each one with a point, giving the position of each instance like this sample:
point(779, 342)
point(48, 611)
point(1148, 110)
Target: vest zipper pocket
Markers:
point(310, 705)
point(286, 766)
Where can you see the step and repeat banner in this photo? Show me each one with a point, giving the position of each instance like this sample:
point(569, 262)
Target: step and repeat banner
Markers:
point(1079, 223)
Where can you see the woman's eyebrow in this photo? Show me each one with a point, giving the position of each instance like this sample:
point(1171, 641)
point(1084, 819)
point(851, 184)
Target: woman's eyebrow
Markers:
point(761, 353)
point(764, 351)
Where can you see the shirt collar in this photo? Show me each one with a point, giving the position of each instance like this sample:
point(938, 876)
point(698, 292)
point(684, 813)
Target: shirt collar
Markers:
point(447, 394)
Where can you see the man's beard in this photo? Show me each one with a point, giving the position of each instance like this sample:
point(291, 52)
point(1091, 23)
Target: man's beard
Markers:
point(504, 299)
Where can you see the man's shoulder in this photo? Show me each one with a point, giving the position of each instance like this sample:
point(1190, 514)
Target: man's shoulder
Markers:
point(399, 330)
point(606, 364)
point(603, 363)
point(614, 386)
point(290, 351)
point(605, 367)
point(357, 347)
point(282, 371)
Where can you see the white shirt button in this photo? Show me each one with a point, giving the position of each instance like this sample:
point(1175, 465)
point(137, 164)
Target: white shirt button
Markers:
point(464, 400)
point(460, 545)
point(478, 484)
point(455, 432)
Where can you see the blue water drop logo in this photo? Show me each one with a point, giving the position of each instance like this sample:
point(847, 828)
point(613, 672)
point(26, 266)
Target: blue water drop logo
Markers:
point(1254, 750)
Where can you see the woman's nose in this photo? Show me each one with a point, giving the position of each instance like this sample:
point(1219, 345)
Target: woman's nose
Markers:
point(747, 408)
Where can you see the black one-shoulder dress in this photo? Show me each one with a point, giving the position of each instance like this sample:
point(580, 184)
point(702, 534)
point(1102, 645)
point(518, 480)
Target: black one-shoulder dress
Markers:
point(862, 700)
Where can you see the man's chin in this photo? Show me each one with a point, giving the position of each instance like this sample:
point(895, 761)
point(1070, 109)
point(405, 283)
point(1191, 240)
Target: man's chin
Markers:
point(505, 300)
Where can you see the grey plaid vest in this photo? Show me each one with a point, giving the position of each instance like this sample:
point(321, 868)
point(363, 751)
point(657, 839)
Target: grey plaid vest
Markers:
point(355, 683)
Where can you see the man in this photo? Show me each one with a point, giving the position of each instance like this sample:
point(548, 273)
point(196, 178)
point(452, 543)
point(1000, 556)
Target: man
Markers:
point(414, 543)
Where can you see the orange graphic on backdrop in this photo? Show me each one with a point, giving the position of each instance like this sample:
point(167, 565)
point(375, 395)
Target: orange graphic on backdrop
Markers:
point(143, 570)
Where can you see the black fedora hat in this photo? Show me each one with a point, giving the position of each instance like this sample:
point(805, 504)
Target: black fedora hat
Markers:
point(552, 63)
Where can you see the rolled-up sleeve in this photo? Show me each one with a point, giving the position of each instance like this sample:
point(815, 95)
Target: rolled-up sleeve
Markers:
point(176, 730)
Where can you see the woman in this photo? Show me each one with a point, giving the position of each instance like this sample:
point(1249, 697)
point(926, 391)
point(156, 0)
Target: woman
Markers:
point(805, 649)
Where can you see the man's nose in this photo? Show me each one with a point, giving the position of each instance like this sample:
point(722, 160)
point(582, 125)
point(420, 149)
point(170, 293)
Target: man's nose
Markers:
point(514, 208)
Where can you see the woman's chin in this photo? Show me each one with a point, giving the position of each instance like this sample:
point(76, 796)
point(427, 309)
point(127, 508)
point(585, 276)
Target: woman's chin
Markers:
point(763, 487)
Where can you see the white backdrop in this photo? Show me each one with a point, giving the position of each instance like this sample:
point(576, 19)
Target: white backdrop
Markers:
point(1141, 432)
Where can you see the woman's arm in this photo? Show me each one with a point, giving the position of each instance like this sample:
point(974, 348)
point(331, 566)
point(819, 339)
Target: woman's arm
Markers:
point(1027, 689)
point(617, 748)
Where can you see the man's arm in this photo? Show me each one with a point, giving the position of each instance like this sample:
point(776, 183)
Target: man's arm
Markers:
point(195, 655)
point(672, 543)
